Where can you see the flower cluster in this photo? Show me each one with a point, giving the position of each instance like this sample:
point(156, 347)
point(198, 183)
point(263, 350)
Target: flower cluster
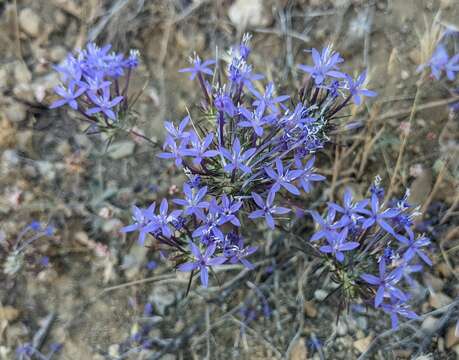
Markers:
point(247, 154)
point(95, 82)
point(372, 249)
point(16, 250)
point(441, 62)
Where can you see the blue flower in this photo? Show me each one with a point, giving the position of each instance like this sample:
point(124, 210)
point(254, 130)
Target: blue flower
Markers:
point(327, 225)
point(35, 225)
point(69, 95)
point(412, 247)
point(307, 175)
point(440, 61)
point(96, 82)
point(142, 222)
point(407, 269)
point(255, 119)
point(224, 103)
point(325, 64)
point(193, 203)
point(267, 100)
point(163, 219)
point(194, 181)
point(151, 265)
point(229, 209)
point(133, 60)
point(244, 46)
point(237, 252)
point(267, 209)
point(283, 179)
point(178, 133)
point(210, 224)
point(237, 158)
point(355, 88)
point(199, 150)
point(202, 262)
point(103, 103)
point(70, 70)
point(378, 216)
point(199, 67)
point(240, 73)
point(337, 244)
point(350, 209)
point(175, 152)
point(398, 307)
point(386, 283)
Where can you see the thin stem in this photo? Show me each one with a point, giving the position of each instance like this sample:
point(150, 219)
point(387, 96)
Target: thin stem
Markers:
point(342, 105)
point(404, 141)
point(133, 132)
point(221, 123)
point(204, 89)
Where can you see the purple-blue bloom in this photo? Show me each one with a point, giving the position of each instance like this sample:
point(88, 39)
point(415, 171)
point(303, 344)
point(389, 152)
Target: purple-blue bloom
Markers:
point(386, 283)
point(378, 216)
point(255, 119)
point(103, 103)
point(142, 222)
point(96, 82)
point(163, 219)
point(95, 71)
point(202, 262)
point(151, 265)
point(267, 100)
point(283, 179)
point(237, 158)
point(199, 149)
point(440, 61)
point(199, 67)
point(175, 152)
point(193, 204)
point(224, 103)
point(326, 226)
point(69, 94)
point(325, 64)
point(267, 209)
point(237, 252)
point(229, 209)
point(398, 307)
point(178, 133)
point(240, 73)
point(350, 210)
point(210, 224)
point(356, 89)
point(70, 70)
point(307, 175)
point(337, 244)
point(412, 247)
point(407, 269)
point(133, 60)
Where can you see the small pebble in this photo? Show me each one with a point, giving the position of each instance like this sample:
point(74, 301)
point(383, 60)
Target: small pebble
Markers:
point(57, 53)
point(429, 323)
point(21, 73)
point(30, 22)
point(341, 328)
point(405, 75)
point(320, 294)
point(15, 112)
point(121, 149)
